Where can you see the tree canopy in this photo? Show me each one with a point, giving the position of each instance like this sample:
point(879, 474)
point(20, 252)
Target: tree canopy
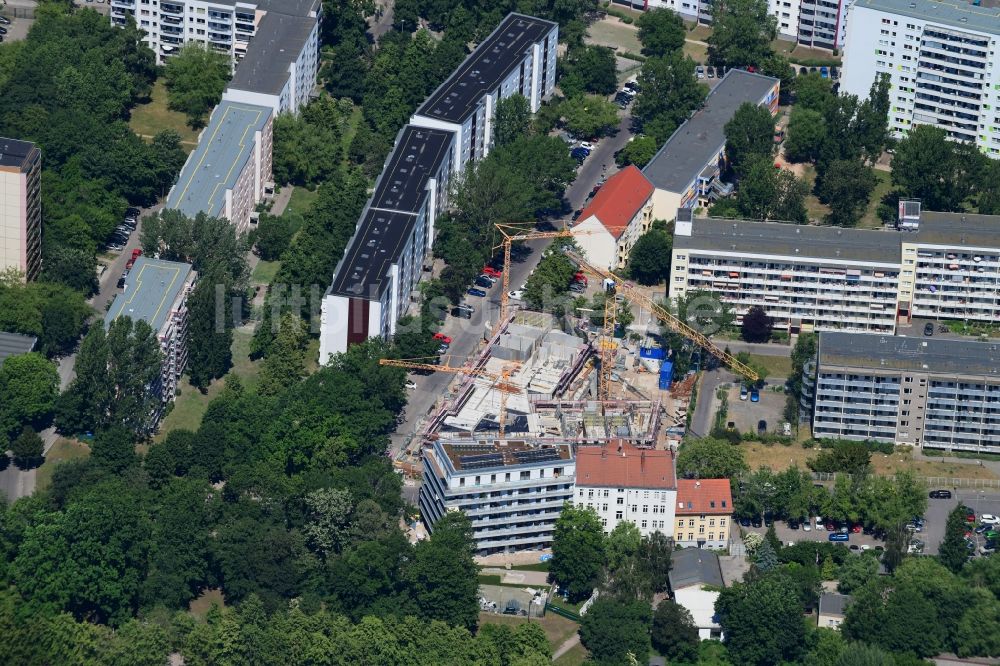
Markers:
point(196, 76)
point(710, 459)
point(578, 553)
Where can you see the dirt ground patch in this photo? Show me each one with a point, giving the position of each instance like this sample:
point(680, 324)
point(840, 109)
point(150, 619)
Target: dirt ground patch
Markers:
point(779, 457)
point(557, 629)
point(610, 31)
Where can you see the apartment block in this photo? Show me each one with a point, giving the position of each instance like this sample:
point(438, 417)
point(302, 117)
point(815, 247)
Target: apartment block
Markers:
point(621, 212)
point(810, 278)
point(785, 12)
point(623, 483)
point(384, 260)
point(941, 58)
point(929, 392)
point(518, 57)
point(373, 284)
point(685, 171)
point(227, 174)
point(822, 24)
point(511, 492)
point(20, 207)
point(156, 292)
point(704, 513)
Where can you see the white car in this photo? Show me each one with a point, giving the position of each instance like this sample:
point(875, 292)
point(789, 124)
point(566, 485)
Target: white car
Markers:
point(806, 528)
point(517, 293)
point(586, 144)
point(989, 519)
point(411, 384)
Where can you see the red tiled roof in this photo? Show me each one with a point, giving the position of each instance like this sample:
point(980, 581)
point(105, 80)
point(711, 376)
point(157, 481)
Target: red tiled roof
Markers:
point(698, 496)
point(619, 199)
point(629, 468)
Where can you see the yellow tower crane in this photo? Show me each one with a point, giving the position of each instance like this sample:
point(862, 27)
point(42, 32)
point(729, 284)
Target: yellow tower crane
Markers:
point(501, 382)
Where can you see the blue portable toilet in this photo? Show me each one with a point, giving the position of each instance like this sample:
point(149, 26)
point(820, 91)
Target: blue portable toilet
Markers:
point(666, 375)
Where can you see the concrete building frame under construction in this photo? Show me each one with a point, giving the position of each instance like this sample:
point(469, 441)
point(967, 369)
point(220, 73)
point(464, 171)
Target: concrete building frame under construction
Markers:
point(513, 488)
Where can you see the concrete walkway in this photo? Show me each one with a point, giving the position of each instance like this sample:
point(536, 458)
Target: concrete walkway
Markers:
point(570, 643)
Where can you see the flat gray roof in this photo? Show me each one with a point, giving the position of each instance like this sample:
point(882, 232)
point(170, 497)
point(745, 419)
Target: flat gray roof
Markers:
point(694, 566)
point(294, 7)
point(793, 240)
point(277, 44)
point(485, 68)
point(963, 229)
point(151, 288)
point(962, 15)
point(12, 344)
point(217, 162)
point(702, 136)
point(14, 152)
point(921, 354)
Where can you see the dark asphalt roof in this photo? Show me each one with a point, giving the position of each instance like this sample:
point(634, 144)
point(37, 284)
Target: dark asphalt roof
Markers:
point(12, 344)
point(776, 238)
point(694, 566)
point(963, 229)
point(277, 44)
point(831, 603)
point(293, 7)
point(920, 354)
point(702, 136)
point(13, 152)
point(376, 245)
point(418, 154)
point(485, 68)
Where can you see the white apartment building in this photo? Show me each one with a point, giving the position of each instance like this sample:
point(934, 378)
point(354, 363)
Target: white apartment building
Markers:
point(930, 392)
point(822, 24)
point(512, 492)
point(825, 278)
point(518, 57)
point(620, 213)
point(942, 61)
point(627, 484)
point(156, 292)
point(685, 171)
point(384, 260)
point(20, 207)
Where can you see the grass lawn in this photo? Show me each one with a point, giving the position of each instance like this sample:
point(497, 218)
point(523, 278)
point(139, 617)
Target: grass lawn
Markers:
point(779, 457)
point(352, 129)
point(264, 272)
point(697, 52)
point(882, 187)
point(575, 656)
point(189, 408)
point(538, 566)
point(559, 602)
point(796, 52)
point(200, 606)
point(557, 629)
point(698, 31)
point(302, 200)
point(777, 366)
point(815, 209)
point(242, 365)
point(609, 31)
point(154, 116)
point(64, 449)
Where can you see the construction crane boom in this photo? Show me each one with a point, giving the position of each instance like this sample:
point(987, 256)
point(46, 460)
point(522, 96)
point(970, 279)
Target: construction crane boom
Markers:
point(501, 381)
point(672, 322)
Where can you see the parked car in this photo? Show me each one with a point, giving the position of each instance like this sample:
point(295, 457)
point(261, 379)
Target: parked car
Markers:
point(475, 291)
point(806, 527)
point(484, 282)
point(745, 522)
point(755, 521)
point(928, 329)
point(577, 288)
point(856, 528)
point(6, 21)
point(586, 145)
point(940, 494)
point(761, 427)
point(3, 31)
point(744, 393)
point(830, 526)
point(754, 395)
point(710, 71)
point(121, 280)
point(989, 519)
point(136, 253)
point(410, 384)
point(579, 154)
point(824, 72)
point(463, 311)
point(632, 85)
point(838, 536)
point(517, 293)
point(132, 213)
point(445, 339)
point(492, 272)
point(576, 213)
point(793, 524)
point(129, 264)
point(699, 72)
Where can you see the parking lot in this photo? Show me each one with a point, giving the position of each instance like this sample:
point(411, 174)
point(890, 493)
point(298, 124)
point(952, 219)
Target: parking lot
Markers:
point(981, 501)
point(788, 536)
point(746, 415)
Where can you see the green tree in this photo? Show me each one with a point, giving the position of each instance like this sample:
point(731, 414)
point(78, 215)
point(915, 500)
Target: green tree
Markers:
point(937, 171)
point(952, 552)
point(769, 193)
point(588, 69)
point(622, 543)
point(210, 329)
point(806, 135)
point(114, 450)
point(27, 447)
point(661, 31)
point(742, 31)
point(512, 119)
point(749, 136)
point(855, 572)
point(756, 326)
point(549, 282)
point(329, 517)
point(674, 633)
point(669, 92)
point(846, 186)
point(638, 151)
point(29, 386)
point(285, 364)
point(578, 552)
point(589, 115)
point(274, 234)
point(762, 621)
point(443, 574)
point(308, 147)
point(613, 629)
point(196, 77)
point(710, 459)
point(812, 92)
point(649, 261)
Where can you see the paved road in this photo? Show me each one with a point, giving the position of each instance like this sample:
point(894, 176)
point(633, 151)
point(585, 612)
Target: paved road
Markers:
point(701, 422)
point(381, 24)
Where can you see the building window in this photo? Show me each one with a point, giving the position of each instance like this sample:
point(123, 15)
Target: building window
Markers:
point(604, 508)
point(701, 529)
point(525, 476)
point(691, 523)
point(711, 522)
point(621, 500)
point(618, 515)
point(722, 522)
point(605, 492)
point(711, 536)
point(690, 536)
point(644, 524)
point(635, 508)
point(604, 522)
point(645, 508)
point(590, 493)
point(581, 492)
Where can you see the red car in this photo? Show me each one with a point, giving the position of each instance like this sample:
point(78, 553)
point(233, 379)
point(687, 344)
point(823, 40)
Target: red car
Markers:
point(136, 253)
point(492, 272)
point(129, 264)
point(830, 527)
point(856, 528)
point(580, 277)
point(442, 338)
